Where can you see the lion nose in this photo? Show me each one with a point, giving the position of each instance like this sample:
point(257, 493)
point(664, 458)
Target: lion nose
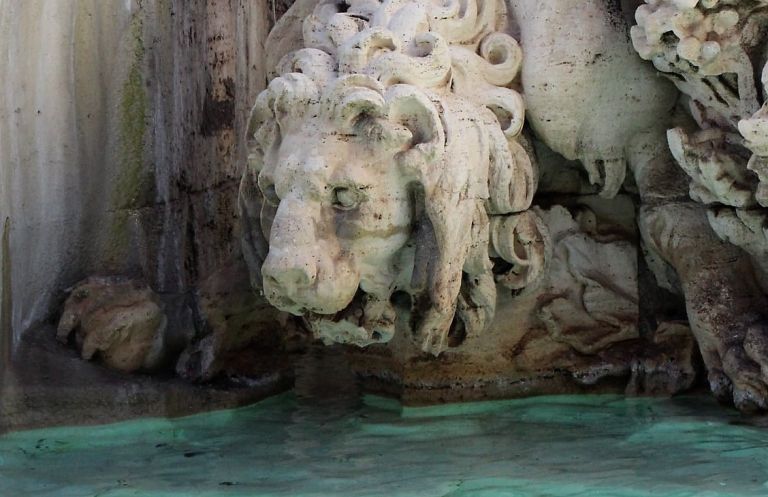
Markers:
point(289, 273)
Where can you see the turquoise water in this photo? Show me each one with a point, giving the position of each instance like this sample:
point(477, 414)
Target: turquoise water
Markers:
point(595, 446)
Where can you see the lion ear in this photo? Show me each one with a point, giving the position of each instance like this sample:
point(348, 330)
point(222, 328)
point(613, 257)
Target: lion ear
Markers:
point(410, 108)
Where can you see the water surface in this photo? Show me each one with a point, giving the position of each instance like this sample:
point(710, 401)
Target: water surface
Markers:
point(591, 446)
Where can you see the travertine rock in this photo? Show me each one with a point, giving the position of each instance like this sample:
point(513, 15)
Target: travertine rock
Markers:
point(243, 337)
point(120, 323)
point(707, 44)
point(120, 146)
point(591, 99)
point(745, 228)
point(388, 198)
point(589, 300)
point(668, 364)
point(531, 348)
point(389, 183)
point(712, 51)
point(587, 94)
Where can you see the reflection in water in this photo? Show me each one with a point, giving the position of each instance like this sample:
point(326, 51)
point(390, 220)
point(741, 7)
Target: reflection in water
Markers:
point(293, 446)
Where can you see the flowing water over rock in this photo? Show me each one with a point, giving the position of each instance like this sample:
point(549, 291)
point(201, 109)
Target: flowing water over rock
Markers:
point(294, 446)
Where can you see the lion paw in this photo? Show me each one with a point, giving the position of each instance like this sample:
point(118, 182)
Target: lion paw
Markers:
point(434, 342)
point(743, 375)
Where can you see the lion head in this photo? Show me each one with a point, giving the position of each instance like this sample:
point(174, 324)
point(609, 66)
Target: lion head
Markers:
point(374, 172)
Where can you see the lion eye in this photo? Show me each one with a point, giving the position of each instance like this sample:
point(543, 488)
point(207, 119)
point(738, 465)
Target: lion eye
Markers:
point(345, 198)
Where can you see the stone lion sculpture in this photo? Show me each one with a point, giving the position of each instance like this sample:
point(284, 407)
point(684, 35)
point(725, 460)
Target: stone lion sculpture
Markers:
point(386, 179)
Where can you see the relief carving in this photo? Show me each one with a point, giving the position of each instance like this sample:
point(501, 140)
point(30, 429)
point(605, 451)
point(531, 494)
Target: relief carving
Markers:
point(590, 295)
point(712, 50)
point(389, 178)
point(590, 98)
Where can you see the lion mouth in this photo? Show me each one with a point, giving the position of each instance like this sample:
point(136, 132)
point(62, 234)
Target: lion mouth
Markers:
point(350, 325)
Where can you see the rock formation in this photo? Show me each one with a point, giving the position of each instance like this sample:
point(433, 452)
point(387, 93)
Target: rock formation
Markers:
point(123, 323)
point(120, 147)
point(120, 157)
point(400, 84)
point(712, 51)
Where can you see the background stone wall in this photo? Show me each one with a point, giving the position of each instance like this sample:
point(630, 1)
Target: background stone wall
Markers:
point(119, 149)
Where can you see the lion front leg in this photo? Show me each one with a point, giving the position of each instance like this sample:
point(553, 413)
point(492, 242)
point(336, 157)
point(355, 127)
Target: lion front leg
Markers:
point(724, 303)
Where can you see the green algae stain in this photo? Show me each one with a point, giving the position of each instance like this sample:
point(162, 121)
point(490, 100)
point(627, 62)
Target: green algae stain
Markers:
point(134, 106)
point(134, 185)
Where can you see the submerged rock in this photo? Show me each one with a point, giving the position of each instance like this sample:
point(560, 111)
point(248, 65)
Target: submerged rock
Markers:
point(121, 323)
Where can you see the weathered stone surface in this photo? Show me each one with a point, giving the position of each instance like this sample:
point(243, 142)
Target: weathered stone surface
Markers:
point(564, 285)
point(579, 102)
point(577, 330)
point(387, 187)
point(712, 51)
point(119, 145)
point(382, 160)
point(665, 364)
point(120, 323)
point(244, 337)
point(564, 290)
point(50, 385)
point(120, 155)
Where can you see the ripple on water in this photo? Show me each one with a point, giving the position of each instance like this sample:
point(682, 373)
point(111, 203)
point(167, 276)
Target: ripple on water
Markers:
point(590, 446)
